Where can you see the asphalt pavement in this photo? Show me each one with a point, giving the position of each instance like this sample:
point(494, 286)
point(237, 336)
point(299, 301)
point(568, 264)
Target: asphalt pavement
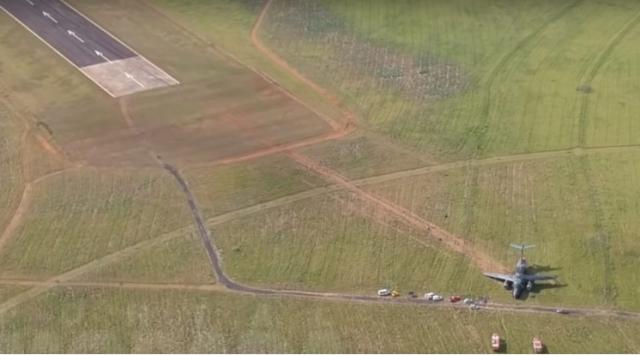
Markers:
point(64, 29)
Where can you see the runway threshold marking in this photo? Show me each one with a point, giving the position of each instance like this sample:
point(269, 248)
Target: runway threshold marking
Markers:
point(129, 76)
point(114, 37)
point(101, 55)
point(158, 75)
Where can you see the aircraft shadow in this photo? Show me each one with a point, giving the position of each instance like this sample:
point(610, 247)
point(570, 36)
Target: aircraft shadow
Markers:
point(534, 269)
point(537, 288)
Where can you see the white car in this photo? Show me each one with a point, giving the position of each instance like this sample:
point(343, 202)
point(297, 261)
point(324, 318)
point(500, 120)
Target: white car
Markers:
point(467, 301)
point(437, 298)
point(429, 296)
point(384, 292)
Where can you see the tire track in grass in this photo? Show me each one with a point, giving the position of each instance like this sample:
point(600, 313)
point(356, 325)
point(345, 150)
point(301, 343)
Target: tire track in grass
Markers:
point(481, 129)
point(600, 243)
point(241, 288)
point(112, 284)
point(455, 243)
point(592, 72)
point(40, 285)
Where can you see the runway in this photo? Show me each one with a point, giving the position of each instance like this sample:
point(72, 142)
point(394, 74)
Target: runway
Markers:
point(100, 56)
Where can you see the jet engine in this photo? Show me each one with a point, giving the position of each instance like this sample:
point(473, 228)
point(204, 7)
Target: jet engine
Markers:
point(508, 285)
point(530, 285)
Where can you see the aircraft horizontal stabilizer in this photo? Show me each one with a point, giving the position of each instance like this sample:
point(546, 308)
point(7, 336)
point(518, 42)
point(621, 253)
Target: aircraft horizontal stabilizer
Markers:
point(522, 246)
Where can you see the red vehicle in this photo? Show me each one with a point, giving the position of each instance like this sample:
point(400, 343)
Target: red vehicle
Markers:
point(538, 346)
point(454, 299)
point(495, 342)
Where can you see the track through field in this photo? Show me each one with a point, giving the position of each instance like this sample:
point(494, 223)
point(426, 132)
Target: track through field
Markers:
point(338, 183)
point(592, 72)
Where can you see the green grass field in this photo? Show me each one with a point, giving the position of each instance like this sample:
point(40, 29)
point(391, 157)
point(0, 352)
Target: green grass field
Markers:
point(581, 230)
point(179, 260)
point(519, 75)
point(520, 118)
point(166, 321)
point(222, 189)
point(81, 215)
point(325, 243)
point(11, 174)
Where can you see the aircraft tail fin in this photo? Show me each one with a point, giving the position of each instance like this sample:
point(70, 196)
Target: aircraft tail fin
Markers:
point(522, 247)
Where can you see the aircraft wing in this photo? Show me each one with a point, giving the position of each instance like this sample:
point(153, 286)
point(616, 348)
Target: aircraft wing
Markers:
point(499, 277)
point(538, 277)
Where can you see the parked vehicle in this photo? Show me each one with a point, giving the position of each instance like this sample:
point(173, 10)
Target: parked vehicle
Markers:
point(538, 346)
point(454, 299)
point(429, 296)
point(437, 298)
point(496, 342)
point(384, 292)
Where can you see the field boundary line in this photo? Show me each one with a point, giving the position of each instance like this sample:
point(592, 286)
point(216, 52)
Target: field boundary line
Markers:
point(68, 277)
point(88, 267)
point(149, 243)
point(255, 154)
point(549, 154)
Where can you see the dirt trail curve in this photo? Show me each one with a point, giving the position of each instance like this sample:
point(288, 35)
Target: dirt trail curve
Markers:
point(23, 206)
point(255, 38)
point(212, 252)
point(228, 285)
point(455, 243)
point(340, 129)
point(25, 202)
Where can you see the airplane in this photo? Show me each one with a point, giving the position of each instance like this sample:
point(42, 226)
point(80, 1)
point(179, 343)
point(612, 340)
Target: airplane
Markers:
point(521, 279)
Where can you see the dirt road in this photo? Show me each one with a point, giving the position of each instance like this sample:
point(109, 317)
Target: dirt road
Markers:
point(25, 202)
point(335, 297)
point(453, 242)
point(226, 284)
point(350, 117)
point(216, 266)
